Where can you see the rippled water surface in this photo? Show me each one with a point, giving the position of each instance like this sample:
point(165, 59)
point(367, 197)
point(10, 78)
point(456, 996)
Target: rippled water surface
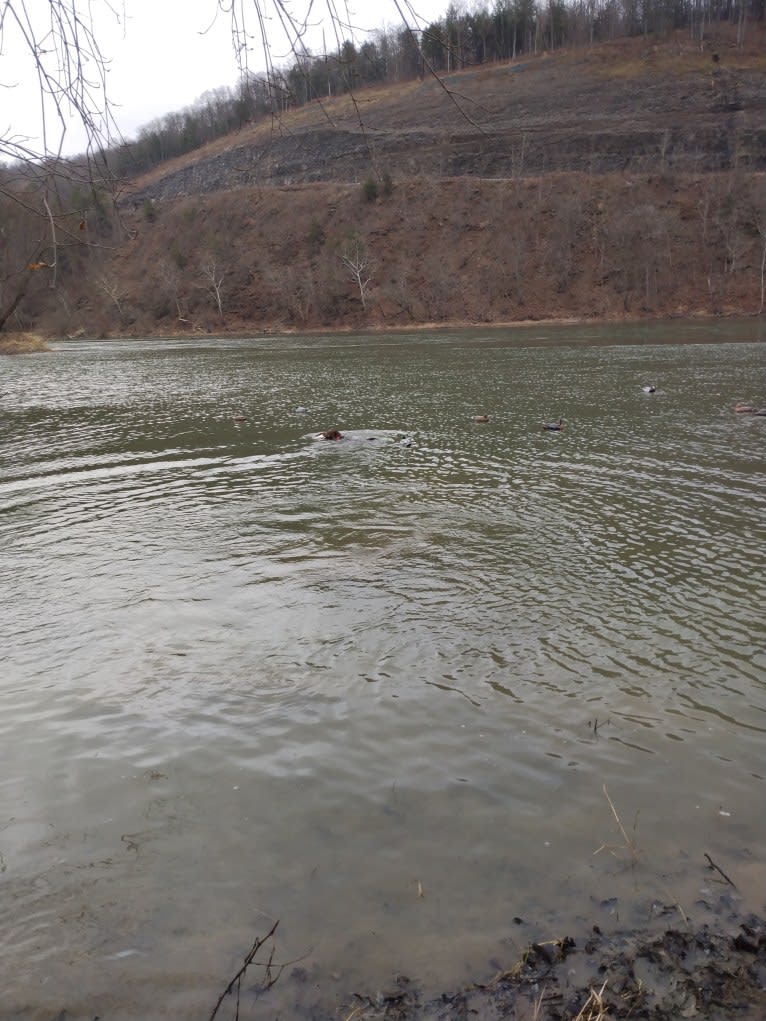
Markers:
point(370, 690)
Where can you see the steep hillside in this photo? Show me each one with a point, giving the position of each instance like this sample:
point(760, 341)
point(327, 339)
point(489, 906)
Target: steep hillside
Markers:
point(624, 180)
point(625, 106)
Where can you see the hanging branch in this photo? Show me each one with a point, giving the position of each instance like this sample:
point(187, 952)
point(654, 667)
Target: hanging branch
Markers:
point(450, 93)
point(71, 71)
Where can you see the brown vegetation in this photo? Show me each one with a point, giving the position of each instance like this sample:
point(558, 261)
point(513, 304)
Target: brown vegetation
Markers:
point(623, 180)
point(21, 344)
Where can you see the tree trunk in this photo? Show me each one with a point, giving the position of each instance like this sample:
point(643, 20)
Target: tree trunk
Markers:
point(7, 310)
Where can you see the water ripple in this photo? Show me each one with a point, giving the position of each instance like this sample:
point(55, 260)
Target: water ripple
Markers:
point(246, 663)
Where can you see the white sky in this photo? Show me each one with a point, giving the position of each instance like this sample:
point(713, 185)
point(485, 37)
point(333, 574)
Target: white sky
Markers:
point(163, 54)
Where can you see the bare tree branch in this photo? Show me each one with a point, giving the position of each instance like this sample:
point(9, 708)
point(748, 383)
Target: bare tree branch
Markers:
point(60, 37)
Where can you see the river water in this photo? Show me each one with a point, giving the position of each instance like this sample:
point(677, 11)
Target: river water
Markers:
point(369, 690)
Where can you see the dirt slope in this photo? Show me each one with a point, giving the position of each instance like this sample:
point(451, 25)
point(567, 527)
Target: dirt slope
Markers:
point(623, 180)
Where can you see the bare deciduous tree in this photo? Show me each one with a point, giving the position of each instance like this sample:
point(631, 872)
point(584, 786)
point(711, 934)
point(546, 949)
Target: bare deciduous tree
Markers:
point(112, 288)
point(300, 295)
point(357, 260)
point(170, 275)
point(213, 276)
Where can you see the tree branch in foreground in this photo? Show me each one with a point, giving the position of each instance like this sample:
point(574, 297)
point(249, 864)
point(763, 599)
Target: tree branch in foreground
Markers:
point(269, 979)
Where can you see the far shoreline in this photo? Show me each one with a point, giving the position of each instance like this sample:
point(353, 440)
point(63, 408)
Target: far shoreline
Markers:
point(700, 319)
point(28, 342)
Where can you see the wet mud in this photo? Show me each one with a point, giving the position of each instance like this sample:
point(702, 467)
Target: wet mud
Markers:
point(668, 972)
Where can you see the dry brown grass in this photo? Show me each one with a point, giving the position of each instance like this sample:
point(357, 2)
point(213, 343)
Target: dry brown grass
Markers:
point(21, 343)
point(594, 1008)
point(629, 848)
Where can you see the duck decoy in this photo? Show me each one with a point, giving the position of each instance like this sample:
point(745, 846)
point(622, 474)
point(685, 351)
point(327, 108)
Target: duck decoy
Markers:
point(554, 426)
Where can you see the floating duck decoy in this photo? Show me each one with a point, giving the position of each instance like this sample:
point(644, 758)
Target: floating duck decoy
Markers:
point(554, 426)
point(481, 418)
point(650, 389)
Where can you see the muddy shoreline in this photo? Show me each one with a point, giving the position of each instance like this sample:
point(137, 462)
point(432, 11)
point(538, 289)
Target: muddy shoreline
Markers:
point(674, 968)
point(673, 974)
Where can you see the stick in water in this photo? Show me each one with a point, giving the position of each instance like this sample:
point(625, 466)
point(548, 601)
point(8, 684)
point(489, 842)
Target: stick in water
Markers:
point(714, 866)
point(248, 961)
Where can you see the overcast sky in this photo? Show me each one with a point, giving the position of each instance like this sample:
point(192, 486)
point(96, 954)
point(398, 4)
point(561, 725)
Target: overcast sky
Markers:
point(163, 54)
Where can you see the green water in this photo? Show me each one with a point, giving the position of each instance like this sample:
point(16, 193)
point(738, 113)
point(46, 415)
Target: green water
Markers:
point(368, 689)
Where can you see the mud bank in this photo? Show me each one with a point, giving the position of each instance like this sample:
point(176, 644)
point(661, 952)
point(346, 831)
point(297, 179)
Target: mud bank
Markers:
point(672, 970)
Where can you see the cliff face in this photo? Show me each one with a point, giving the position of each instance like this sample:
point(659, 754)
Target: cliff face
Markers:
point(628, 180)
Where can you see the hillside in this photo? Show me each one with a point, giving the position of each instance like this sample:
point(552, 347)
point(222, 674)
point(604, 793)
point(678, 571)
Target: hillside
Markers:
point(627, 179)
point(631, 105)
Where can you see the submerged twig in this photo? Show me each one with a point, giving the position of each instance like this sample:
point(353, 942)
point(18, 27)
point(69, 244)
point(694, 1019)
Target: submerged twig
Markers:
point(236, 982)
point(616, 816)
point(630, 842)
point(720, 870)
point(677, 905)
point(537, 1005)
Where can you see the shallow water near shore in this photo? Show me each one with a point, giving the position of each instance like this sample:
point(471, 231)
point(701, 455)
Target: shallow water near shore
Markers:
point(369, 690)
